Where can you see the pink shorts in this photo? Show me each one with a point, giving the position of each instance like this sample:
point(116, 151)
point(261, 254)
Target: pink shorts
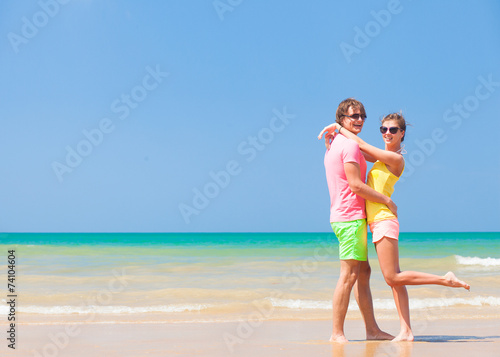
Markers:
point(387, 228)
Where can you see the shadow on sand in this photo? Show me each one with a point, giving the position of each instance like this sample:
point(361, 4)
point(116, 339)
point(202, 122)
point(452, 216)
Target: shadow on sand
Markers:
point(399, 349)
point(452, 338)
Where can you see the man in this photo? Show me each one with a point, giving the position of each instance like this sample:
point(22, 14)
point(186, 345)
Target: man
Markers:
point(346, 174)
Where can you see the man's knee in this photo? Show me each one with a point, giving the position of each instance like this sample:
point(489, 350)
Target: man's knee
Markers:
point(349, 274)
point(349, 279)
point(365, 271)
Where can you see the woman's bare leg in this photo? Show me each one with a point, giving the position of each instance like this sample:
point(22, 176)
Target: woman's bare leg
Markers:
point(402, 304)
point(388, 256)
point(394, 276)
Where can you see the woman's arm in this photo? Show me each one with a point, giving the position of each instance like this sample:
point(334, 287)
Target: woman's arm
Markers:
point(368, 157)
point(387, 157)
point(330, 134)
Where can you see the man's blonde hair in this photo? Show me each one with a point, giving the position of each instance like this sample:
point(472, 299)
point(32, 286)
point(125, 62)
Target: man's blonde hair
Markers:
point(344, 106)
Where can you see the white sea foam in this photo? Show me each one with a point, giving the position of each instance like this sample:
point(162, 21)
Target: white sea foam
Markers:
point(440, 302)
point(301, 304)
point(66, 310)
point(295, 304)
point(388, 304)
point(485, 262)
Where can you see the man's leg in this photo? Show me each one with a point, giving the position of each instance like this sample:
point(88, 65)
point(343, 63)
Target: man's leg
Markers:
point(349, 270)
point(363, 295)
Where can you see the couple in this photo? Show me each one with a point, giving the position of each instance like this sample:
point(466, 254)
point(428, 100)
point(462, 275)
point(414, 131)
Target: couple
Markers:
point(345, 166)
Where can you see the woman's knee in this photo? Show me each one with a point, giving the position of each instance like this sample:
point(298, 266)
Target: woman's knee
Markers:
point(392, 280)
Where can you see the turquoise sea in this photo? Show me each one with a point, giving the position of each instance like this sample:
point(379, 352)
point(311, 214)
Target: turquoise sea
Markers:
point(170, 277)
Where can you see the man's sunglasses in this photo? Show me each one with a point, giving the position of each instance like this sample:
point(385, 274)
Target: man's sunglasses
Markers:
point(392, 129)
point(356, 116)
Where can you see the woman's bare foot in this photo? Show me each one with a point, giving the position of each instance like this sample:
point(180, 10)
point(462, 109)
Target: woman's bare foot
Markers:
point(404, 336)
point(379, 335)
point(338, 338)
point(454, 282)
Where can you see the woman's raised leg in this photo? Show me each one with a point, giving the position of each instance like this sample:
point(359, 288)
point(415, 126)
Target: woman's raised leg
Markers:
point(388, 247)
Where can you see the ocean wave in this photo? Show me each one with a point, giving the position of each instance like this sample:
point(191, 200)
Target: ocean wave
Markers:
point(440, 302)
point(301, 304)
point(388, 304)
point(292, 304)
point(66, 310)
point(486, 262)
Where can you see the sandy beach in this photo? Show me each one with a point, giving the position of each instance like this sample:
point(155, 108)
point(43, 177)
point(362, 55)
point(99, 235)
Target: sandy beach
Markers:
point(269, 338)
point(239, 295)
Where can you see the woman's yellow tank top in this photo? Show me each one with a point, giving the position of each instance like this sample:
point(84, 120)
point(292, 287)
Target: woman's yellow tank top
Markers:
point(383, 181)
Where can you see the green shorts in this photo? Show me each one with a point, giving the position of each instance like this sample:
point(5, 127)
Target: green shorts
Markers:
point(352, 239)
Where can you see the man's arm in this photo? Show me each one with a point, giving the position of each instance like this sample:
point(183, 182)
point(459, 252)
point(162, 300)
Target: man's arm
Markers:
point(357, 186)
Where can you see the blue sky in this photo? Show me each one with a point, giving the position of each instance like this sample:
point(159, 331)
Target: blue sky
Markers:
point(195, 116)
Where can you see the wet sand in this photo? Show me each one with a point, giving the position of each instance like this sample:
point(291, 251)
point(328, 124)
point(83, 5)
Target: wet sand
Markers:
point(479, 337)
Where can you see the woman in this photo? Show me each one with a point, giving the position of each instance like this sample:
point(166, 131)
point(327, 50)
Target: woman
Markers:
point(388, 167)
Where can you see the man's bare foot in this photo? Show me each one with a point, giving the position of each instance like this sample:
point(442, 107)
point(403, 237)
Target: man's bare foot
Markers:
point(379, 335)
point(404, 336)
point(454, 282)
point(338, 338)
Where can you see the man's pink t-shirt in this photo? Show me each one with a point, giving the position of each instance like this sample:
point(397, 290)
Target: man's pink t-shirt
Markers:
point(344, 204)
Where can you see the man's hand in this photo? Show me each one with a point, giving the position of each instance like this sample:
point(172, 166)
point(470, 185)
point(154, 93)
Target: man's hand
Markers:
point(392, 206)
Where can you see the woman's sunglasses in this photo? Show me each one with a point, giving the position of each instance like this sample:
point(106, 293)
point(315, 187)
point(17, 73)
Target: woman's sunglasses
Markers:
point(392, 129)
